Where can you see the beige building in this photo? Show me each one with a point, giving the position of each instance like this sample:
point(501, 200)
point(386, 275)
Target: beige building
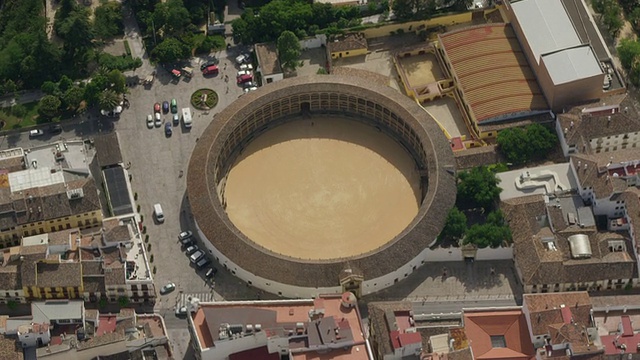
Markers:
point(53, 191)
point(269, 68)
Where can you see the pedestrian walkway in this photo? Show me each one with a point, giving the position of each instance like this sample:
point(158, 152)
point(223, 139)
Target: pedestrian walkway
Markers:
point(204, 297)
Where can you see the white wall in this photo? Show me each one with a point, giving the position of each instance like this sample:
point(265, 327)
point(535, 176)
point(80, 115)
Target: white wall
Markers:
point(313, 42)
point(369, 286)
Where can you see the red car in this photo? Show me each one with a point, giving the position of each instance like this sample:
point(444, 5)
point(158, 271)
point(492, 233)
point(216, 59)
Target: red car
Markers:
point(156, 107)
point(244, 79)
point(210, 70)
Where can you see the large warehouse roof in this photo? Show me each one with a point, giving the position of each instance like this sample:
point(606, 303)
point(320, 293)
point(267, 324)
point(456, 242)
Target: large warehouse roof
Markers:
point(493, 72)
point(572, 64)
point(546, 26)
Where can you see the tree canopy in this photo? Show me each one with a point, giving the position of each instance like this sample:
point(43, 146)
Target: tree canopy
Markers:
point(492, 233)
point(413, 9)
point(300, 17)
point(289, 50)
point(171, 50)
point(49, 106)
point(455, 226)
point(520, 146)
point(107, 21)
point(478, 187)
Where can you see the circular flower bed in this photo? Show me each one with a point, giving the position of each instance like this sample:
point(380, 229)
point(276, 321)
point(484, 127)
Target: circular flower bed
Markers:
point(204, 99)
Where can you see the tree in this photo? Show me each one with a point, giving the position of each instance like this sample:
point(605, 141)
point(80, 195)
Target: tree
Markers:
point(523, 145)
point(403, 9)
point(628, 51)
point(108, 100)
point(65, 83)
point(455, 226)
point(49, 106)
point(171, 50)
point(289, 50)
point(49, 88)
point(123, 301)
point(117, 81)
point(483, 235)
point(73, 97)
point(478, 187)
point(107, 21)
point(612, 19)
point(170, 17)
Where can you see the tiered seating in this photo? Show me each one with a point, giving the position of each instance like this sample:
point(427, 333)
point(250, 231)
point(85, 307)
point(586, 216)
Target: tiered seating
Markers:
point(492, 70)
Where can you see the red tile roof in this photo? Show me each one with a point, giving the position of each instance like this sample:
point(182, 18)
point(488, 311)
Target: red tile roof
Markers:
point(409, 338)
point(492, 71)
point(261, 353)
point(480, 326)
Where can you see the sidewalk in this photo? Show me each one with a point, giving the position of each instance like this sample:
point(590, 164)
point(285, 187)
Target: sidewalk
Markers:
point(22, 97)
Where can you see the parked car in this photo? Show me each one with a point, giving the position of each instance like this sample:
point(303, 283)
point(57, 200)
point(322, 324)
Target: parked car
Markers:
point(35, 133)
point(203, 262)
point(55, 129)
point(158, 121)
point(191, 249)
point(243, 72)
point(211, 272)
point(156, 107)
point(176, 119)
point(214, 61)
point(181, 311)
point(174, 106)
point(248, 67)
point(165, 107)
point(167, 129)
point(185, 235)
point(150, 121)
point(244, 79)
point(252, 88)
point(211, 70)
point(240, 59)
point(196, 256)
point(168, 288)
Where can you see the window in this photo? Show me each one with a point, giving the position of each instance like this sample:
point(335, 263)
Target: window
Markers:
point(498, 341)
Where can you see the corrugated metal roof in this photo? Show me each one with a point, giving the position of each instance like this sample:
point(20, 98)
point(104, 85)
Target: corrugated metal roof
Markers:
point(572, 64)
point(546, 26)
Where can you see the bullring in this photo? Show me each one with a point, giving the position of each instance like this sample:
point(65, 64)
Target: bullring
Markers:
point(307, 98)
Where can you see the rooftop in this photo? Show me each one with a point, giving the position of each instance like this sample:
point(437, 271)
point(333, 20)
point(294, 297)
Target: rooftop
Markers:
point(572, 64)
point(310, 326)
point(107, 149)
point(546, 26)
point(12, 159)
point(267, 56)
point(543, 180)
point(347, 42)
point(498, 334)
point(494, 92)
point(545, 237)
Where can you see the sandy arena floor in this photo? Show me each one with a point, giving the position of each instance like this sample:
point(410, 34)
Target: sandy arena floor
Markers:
point(322, 188)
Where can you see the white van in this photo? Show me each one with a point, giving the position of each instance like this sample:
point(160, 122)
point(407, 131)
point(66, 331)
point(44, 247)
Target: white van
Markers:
point(157, 210)
point(186, 117)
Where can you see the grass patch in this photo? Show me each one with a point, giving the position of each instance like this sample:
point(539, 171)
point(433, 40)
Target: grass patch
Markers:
point(127, 49)
point(26, 117)
point(199, 102)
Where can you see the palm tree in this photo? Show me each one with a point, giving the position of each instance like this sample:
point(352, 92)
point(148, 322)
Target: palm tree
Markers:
point(108, 100)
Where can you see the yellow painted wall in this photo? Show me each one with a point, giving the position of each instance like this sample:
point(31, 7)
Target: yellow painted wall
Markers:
point(412, 26)
point(55, 293)
point(350, 53)
point(72, 221)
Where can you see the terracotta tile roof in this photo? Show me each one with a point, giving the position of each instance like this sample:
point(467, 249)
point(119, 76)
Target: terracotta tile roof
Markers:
point(114, 276)
point(545, 309)
point(9, 278)
point(539, 265)
point(592, 173)
point(484, 155)
point(112, 231)
point(377, 319)
point(347, 42)
point(480, 326)
point(361, 73)
point(267, 56)
point(59, 275)
point(107, 149)
point(62, 237)
point(9, 349)
point(216, 226)
point(493, 72)
point(581, 127)
point(93, 284)
point(28, 268)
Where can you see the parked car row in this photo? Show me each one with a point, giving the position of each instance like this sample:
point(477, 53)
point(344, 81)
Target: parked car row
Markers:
point(156, 118)
point(196, 255)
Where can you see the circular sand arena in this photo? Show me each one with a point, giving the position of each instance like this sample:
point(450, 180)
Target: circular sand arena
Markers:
point(320, 184)
point(322, 189)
